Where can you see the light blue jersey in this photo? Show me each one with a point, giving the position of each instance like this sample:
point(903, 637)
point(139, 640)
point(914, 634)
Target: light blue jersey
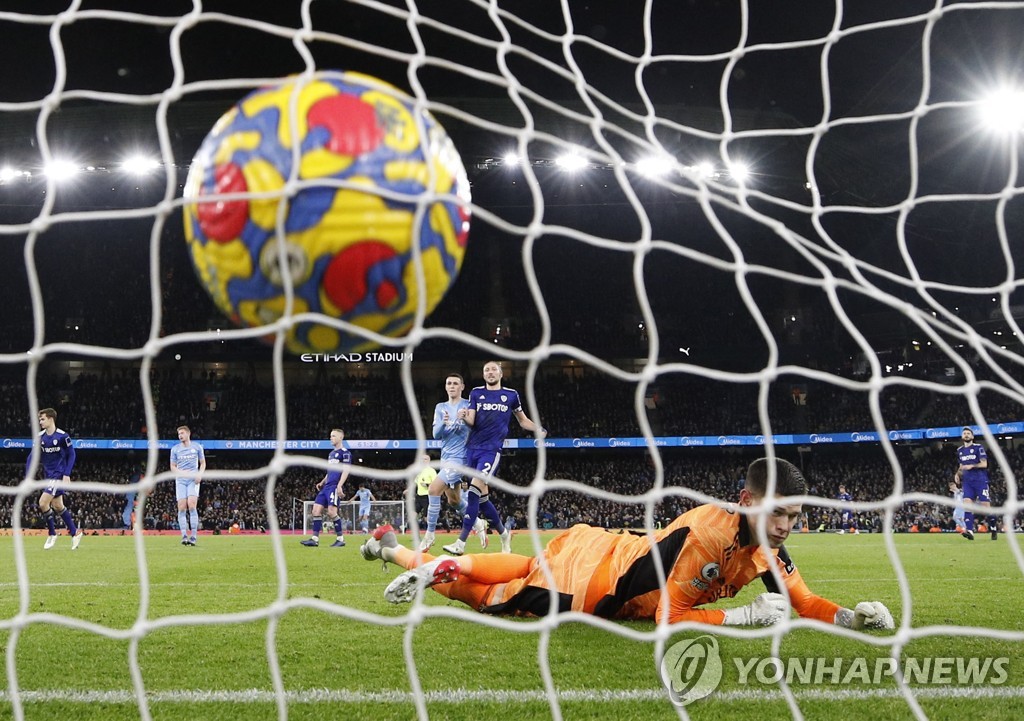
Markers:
point(186, 458)
point(453, 435)
point(363, 496)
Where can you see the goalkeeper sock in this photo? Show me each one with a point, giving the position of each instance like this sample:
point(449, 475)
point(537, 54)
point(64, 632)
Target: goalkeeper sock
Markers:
point(490, 512)
point(69, 522)
point(495, 567)
point(183, 523)
point(433, 512)
point(969, 521)
point(193, 516)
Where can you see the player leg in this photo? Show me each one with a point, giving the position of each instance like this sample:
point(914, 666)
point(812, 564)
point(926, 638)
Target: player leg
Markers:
point(45, 508)
point(490, 511)
point(469, 579)
point(65, 514)
point(318, 524)
point(437, 487)
point(971, 493)
point(364, 520)
point(181, 494)
point(339, 528)
point(968, 532)
point(193, 511)
point(469, 518)
point(992, 520)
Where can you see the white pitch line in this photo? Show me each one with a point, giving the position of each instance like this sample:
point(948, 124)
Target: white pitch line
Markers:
point(465, 696)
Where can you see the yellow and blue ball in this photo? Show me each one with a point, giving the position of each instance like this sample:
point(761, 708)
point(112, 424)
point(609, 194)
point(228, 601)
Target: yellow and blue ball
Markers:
point(366, 160)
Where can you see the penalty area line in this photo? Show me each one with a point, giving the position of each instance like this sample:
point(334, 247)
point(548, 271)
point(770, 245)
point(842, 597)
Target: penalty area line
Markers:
point(466, 696)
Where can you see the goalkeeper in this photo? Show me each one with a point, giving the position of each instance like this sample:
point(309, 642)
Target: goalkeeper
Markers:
point(707, 553)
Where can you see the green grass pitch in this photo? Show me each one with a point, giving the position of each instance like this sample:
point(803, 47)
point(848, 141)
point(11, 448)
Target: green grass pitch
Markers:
point(340, 647)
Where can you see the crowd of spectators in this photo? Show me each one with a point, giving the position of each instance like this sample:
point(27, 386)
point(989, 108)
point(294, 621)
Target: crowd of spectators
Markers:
point(220, 405)
point(612, 489)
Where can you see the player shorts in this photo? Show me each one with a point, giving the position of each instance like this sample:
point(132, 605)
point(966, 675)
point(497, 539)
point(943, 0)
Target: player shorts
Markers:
point(185, 487)
point(364, 510)
point(328, 496)
point(450, 476)
point(54, 490)
point(485, 461)
point(422, 504)
point(976, 491)
point(574, 556)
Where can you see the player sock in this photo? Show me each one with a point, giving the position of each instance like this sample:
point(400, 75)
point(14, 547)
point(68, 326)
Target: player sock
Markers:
point(433, 512)
point(339, 528)
point(969, 521)
point(193, 516)
point(366, 526)
point(318, 525)
point(490, 512)
point(461, 508)
point(51, 521)
point(495, 567)
point(408, 558)
point(471, 514)
point(65, 516)
point(183, 522)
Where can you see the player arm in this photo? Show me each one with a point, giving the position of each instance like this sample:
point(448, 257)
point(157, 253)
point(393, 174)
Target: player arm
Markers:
point(688, 589)
point(528, 424)
point(468, 415)
point(202, 469)
point(440, 431)
point(373, 498)
point(870, 614)
point(69, 458)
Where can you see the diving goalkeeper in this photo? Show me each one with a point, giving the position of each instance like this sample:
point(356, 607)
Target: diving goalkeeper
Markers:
point(707, 553)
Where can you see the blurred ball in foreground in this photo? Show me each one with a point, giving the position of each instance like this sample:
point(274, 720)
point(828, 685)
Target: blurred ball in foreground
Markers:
point(366, 158)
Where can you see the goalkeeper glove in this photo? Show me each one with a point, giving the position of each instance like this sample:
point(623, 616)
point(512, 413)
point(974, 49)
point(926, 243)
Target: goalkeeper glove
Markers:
point(866, 614)
point(766, 610)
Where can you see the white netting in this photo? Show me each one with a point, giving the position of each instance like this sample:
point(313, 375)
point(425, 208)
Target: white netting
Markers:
point(872, 194)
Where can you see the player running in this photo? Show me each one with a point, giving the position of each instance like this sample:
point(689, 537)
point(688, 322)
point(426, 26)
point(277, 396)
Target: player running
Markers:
point(491, 407)
point(452, 431)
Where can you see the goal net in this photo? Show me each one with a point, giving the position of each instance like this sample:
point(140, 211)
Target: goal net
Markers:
point(382, 513)
point(700, 233)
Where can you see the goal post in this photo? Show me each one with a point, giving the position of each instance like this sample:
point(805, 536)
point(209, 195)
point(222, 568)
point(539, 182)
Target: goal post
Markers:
point(381, 513)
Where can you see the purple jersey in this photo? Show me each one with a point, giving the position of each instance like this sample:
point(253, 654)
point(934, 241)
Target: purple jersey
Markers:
point(494, 409)
point(974, 480)
point(58, 454)
point(971, 455)
point(341, 456)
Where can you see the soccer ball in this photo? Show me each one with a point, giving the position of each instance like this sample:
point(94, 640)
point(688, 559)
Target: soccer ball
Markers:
point(367, 159)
